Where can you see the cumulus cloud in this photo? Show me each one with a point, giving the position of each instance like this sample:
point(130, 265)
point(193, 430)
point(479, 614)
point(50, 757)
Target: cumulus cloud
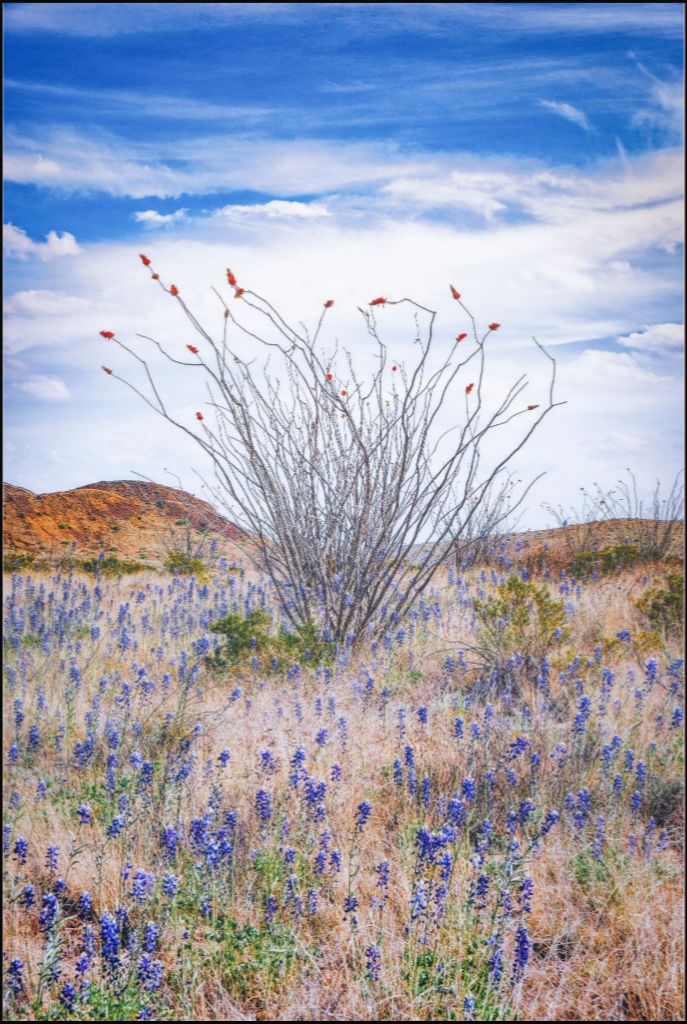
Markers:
point(16, 244)
point(569, 112)
point(656, 339)
point(39, 301)
point(153, 219)
point(45, 387)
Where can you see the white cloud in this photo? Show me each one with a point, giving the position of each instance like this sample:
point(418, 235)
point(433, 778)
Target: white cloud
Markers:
point(36, 302)
point(276, 209)
point(16, 244)
point(656, 339)
point(153, 219)
point(43, 386)
point(569, 112)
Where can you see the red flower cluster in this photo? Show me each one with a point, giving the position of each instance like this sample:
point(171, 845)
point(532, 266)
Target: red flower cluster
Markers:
point(454, 293)
point(461, 336)
point(239, 292)
point(230, 278)
point(378, 301)
point(173, 289)
point(344, 393)
point(469, 389)
point(494, 327)
point(107, 334)
point(330, 376)
point(192, 348)
point(394, 368)
point(329, 303)
point(144, 259)
point(107, 369)
point(199, 415)
point(530, 407)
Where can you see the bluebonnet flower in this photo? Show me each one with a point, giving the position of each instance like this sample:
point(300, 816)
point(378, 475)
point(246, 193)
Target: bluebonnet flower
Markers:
point(21, 850)
point(469, 1008)
point(522, 953)
point(263, 803)
point(150, 973)
point(373, 962)
point(109, 941)
point(15, 973)
point(68, 997)
point(170, 884)
point(27, 897)
point(49, 910)
point(51, 858)
point(335, 773)
point(85, 905)
point(363, 813)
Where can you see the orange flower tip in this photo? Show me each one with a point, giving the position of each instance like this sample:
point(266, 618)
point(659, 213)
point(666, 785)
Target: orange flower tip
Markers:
point(379, 301)
point(469, 389)
point(329, 303)
point(239, 292)
point(330, 376)
point(107, 334)
point(344, 393)
point(192, 348)
point(107, 369)
point(530, 407)
point(230, 278)
point(393, 369)
point(173, 289)
point(461, 336)
point(155, 277)
point(144, 259)
point(199, 415)
point(494, 327)
point(454, 293)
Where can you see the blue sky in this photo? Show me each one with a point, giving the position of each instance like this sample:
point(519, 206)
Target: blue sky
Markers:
point(530, 152)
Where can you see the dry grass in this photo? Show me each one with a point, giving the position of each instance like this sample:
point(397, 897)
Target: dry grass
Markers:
point(605, 932)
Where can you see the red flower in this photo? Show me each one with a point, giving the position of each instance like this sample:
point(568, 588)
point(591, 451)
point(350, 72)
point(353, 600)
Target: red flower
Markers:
point(494, 327)
point(239, 292)
point(461, 336)
point(530, 407)
point(155, 277)
point(469, 389)
point(192, 348)
point(230, 278)
point(329, 303)
point(144, 259)
point(378, 301)
point(330, 376)
point(394, 368)
point(199, 415)
point(454, 293)
point(107, 334)
point(344, 392)
point(107, 369)
point(173, 289)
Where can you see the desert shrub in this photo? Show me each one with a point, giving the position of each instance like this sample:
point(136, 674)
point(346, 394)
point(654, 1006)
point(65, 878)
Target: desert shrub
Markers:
point(16, 561)
point(664, 605)
point(184, 564)
point(605, 561)
point(110, 565)
point(250, 636)
point(523, 620)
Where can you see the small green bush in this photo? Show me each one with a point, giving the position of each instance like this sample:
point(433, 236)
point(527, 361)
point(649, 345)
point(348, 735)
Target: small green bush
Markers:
point(246, 637)
point(605, 561)
point(110, 566)
point(184, 564)
point(664, 606)
point(15, 561)
point(521, 619)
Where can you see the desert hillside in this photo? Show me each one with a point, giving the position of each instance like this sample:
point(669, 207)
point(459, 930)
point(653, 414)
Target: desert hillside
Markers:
point(130, 518)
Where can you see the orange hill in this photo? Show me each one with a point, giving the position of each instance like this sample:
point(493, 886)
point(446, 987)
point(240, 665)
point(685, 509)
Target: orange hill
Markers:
point(130, 518)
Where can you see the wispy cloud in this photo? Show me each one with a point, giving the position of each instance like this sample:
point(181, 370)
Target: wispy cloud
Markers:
point(44, 387)
point(569, 112)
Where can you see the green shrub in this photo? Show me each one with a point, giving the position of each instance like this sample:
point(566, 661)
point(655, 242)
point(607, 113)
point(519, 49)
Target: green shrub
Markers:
point(664, 606)
point(605, 561)
point(15, 561)
point(521, 619)
point(110, 566)
point(184, 564)
point(245, 637)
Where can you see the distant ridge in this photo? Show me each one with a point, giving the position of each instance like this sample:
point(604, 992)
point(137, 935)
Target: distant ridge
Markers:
point(130, 518)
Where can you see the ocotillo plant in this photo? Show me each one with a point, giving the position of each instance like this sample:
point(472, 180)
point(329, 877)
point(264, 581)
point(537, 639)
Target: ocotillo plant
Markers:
point(338, 476)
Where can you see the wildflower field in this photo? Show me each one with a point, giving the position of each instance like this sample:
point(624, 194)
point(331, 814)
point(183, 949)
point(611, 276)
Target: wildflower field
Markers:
point(476, 817)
